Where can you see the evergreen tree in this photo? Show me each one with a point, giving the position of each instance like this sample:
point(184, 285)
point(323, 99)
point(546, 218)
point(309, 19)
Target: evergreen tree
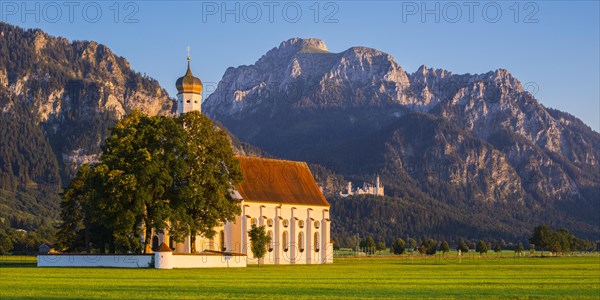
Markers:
point(411, 244)
point(369, 244)
point(481, 247)
point(444, 247)
point(381, 246)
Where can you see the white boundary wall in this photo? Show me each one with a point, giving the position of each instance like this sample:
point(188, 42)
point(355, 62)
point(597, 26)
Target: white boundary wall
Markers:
point(90, 260)
point(208, 261)
point(161, 260)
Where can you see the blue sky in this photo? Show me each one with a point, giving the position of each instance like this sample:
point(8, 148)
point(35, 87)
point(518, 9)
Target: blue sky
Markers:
point(553, 47)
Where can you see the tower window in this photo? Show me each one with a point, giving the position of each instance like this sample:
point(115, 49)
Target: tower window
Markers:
point(188, 101)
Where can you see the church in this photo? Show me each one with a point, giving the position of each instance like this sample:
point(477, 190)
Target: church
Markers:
point(282, 195)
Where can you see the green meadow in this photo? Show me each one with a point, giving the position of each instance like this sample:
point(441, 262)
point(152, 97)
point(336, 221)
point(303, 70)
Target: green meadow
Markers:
point(574, 277)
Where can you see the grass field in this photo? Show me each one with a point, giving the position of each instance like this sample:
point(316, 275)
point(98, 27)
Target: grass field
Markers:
point(381, 277)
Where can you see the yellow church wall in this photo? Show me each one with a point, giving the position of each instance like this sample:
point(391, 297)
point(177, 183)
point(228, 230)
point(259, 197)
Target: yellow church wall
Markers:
point(300, 250)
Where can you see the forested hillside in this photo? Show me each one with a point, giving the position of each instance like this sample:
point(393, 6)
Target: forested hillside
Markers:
point(58, 100)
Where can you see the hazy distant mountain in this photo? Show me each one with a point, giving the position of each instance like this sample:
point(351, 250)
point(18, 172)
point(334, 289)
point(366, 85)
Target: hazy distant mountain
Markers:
point(459, 139)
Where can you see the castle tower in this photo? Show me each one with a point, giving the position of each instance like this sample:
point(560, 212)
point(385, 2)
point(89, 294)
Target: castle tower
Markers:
point(189, 92)
point(378, 187)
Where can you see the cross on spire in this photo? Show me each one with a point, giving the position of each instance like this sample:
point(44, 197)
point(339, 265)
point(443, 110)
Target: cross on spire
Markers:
point(188, 50)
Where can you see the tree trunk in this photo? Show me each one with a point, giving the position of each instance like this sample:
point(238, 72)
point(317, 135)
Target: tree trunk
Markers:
point(147, 240)
point(103, 246)
point(193, 242)
point(87, 239)
point(111, 245)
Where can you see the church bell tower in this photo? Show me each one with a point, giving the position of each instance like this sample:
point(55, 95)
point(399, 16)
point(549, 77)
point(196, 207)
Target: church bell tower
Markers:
point(189, 92)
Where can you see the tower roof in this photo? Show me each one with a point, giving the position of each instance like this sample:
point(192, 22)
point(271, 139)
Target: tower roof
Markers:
point(188, 83)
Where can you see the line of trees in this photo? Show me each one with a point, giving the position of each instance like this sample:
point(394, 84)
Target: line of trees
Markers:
point(154, 173)
point(559, 241)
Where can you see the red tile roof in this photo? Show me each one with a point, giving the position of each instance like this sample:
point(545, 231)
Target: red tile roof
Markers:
point(278, 181)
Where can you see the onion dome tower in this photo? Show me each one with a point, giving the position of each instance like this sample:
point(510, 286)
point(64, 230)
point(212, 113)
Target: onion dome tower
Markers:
point(189, 92)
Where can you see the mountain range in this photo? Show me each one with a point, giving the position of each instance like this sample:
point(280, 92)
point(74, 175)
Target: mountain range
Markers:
point(464, 140)
point(460, 155)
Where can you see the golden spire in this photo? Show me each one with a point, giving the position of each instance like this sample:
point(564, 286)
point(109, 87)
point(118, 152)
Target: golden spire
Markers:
point(188, 83)
point(189, 58)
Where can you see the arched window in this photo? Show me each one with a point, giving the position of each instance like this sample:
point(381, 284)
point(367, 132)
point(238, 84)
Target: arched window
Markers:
point(317, 224)
point(301, 224)
point(270, 234)
point(253, 222)
point(316, 241)
point(285, 241)
point(222, 239)
point(286, 223)
point(270, 222)
point(154, 243)
point(301, 241)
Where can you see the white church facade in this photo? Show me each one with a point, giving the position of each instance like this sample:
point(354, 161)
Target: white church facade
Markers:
point(282, 195)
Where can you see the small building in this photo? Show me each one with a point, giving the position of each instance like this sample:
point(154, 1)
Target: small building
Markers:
point(44, 248)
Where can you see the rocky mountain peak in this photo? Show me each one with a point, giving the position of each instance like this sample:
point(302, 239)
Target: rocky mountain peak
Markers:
point(305, 45)
point(423, 73)
point(290, 48)
point(505, 78)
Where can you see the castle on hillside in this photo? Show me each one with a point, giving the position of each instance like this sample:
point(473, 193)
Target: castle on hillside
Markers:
point(368, 188)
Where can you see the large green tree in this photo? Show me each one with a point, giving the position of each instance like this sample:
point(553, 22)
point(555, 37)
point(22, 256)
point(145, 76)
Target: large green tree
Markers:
point(142, 153)
point(71, 234)
point(210, 172)
point(154, 173)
